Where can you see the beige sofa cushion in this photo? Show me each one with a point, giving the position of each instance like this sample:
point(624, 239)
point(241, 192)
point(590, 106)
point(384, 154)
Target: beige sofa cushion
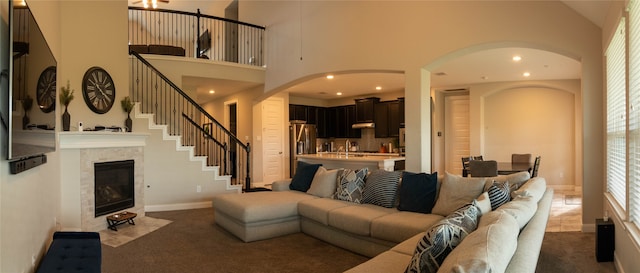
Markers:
point(260, 206)
point(397, 227)
point(388, 261)
point(521, 208)
point(488, 249)
point(318, 209)
point(357, 219)
point(535, 188)
point(408, 246)
point(456, 191)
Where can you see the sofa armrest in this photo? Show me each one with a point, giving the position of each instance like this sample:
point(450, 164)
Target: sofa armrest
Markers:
point(281, 185)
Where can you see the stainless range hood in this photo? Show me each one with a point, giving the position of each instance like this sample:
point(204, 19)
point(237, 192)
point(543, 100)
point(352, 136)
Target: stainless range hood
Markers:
point(363, 125)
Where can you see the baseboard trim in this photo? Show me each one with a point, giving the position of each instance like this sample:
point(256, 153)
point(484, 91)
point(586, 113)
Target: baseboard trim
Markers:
point(180, 206)
point(563, 187)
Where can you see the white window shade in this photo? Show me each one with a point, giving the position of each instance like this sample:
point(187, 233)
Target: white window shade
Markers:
point(616, 116)
point(634, 112)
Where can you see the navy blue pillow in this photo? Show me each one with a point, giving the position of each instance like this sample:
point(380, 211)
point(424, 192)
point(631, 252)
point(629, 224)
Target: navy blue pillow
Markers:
point(301, 181)
point(418, 192)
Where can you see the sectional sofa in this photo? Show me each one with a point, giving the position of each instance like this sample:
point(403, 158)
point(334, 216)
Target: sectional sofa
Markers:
point(505, 239)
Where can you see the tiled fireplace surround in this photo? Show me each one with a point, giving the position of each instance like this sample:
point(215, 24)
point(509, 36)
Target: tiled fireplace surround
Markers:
point(79, 152)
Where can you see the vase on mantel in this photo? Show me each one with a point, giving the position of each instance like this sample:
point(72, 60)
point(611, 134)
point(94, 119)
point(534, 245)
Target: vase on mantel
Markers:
point(128, 123)
point(66, 120)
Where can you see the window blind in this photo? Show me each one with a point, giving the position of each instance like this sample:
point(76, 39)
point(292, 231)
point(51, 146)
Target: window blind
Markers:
point(634, 112)
point(616, 115)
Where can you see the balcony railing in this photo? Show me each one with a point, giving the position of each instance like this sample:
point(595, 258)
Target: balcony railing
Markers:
point(199, 35)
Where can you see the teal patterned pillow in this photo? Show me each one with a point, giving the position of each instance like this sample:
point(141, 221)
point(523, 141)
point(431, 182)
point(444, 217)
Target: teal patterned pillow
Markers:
point(442, 238)
point(351, 185)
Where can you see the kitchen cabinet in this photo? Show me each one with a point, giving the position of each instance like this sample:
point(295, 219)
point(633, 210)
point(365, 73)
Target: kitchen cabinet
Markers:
point(341, 121)
point(321, 124)
point(330, 122)
point(365, 109)
point(387, 119)
point(394, 119)
point(351, 119)
point(312, 115)
point(297, 112)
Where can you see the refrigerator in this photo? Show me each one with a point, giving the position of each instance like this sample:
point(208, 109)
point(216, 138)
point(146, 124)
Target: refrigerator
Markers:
point(302, 140)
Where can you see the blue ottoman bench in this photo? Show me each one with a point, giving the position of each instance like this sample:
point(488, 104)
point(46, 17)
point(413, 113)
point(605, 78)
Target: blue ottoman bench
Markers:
point(73, 252)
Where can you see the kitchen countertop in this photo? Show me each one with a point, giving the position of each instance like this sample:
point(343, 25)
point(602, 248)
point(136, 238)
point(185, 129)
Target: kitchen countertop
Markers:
point(353, 160)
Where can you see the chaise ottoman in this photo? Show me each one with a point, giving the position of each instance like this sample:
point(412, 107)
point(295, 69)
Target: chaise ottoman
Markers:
point(73, 252)
point(257, 216)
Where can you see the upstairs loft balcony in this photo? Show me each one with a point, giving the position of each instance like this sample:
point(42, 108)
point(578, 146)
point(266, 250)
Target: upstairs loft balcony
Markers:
point(195, 35)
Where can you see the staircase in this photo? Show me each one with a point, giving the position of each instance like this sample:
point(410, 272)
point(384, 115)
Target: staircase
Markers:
point(185, 180)
point(170, 116)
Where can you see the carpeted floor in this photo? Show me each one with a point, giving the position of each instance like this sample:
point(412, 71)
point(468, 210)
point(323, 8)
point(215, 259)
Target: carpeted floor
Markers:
point(193, 243)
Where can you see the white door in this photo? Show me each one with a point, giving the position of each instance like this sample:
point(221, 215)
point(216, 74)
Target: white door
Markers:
point(273, 140)
point(456, 116)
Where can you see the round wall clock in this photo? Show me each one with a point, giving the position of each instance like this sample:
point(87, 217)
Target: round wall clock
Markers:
point(98, 90)
point(46, 90)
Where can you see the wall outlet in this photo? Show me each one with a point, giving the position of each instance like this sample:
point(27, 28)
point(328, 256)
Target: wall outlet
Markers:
point(198, 188)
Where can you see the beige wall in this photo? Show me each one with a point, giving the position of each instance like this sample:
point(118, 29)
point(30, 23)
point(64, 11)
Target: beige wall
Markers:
point(421, 35)
point(522, 117)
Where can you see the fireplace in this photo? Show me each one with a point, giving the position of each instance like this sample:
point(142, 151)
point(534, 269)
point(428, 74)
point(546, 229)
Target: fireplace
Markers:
point(114, 186)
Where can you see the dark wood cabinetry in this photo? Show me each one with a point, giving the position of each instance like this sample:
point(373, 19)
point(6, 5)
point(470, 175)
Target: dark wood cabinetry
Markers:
point(297, 112)
point(401, 111)
point(351, 119)
point(365, 109)
point(387, 119)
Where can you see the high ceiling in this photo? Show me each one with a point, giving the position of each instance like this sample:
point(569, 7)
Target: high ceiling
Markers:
point(480, 67)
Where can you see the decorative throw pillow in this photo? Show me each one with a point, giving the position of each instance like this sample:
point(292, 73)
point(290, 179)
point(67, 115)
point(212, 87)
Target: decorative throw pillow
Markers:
point(499, 194)
point(483, 203)
point(351, 185)
point(456, 191)
point(418, 192)
point(324, 183)
point(380, 188)
point(301, 181)
point(515, 179)
point(442, 238)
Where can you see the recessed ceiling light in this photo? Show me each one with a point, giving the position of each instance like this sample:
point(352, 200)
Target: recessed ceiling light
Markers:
point(212, 91)
point(339, 93)
point(526, 74)
point(329, 76)
point(517, 58)
point(484, 77)
point(441, 74)
point(378, 87)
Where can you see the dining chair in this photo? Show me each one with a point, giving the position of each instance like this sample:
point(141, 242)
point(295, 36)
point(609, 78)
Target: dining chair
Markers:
point(477, 157)
point(536, 165)
point(520, 158)
point(483, 168)
point(465, 165)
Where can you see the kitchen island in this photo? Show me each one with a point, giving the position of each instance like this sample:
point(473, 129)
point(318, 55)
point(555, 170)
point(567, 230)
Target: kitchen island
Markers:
point(354, 160)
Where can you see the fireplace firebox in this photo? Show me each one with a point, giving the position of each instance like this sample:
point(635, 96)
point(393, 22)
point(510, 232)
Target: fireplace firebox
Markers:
point(114, 186)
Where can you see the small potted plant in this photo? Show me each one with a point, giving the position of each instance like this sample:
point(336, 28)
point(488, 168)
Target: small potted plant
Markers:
point(127, 106)
point(66, 96)
point(27, 103)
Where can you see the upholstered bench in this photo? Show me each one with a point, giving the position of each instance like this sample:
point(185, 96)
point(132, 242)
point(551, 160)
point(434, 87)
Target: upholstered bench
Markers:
point(73, 252)
point(256, 216)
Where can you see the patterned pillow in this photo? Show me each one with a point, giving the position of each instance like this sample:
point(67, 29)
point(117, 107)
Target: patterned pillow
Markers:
point(380, 188)
point(350, 185)
point(499, 194)
point(442, 238)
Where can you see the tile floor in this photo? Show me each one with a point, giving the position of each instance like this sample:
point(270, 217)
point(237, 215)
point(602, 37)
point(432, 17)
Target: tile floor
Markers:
point(566, 212)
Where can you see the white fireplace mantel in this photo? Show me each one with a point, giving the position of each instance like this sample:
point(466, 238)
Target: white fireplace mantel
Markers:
point(100, 139)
